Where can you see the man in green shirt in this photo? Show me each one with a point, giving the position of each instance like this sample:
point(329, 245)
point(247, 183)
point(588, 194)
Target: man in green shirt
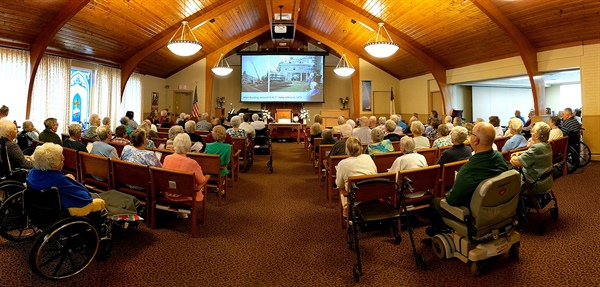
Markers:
point(485, 163)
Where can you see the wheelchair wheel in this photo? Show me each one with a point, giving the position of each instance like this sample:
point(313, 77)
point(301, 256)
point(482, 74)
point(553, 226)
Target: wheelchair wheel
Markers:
point(475, 268)
point(585, 154)
point(554, 213)
point(14, 223)
point(438, 248)
point(8, 188)
point(572, 160)
point(64, 249)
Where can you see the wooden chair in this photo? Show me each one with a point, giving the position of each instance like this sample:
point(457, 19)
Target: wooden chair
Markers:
point(134, 179)
point(163, 153)
point(99, 166)
point(234, 165)
point(337, 136)
point(559, 152)
point(324, 150)
point(239, 145)
point(500, 142)
point(375, 192)
point(211, 165)
point(71, 163)
point(430, 154)
point(331, 171)
point(158, 142)
point(449, 171)
point(396, 145)
point(441, 149)
point(171, 190)
point(506, 155)
point(425, 182)
point(118, 146)
point(317, 142)
point(163, 135)
point(384, 160)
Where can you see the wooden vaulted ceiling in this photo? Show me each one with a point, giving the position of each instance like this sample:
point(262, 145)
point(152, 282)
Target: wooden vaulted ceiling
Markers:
point(434, 35)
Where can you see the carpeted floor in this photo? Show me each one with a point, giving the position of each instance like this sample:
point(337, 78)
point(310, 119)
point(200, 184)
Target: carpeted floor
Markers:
point(276, 230)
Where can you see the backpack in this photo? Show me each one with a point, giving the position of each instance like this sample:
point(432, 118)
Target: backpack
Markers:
point(24, 141)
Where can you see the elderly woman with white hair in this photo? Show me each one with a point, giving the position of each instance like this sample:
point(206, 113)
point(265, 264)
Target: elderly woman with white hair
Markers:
point(235, 130)
point(8, 131)
point(174, 131)
point(179, 161)
point(517, 140)
point(379, 144)
point(418, 129)
point(137, 153)
point(537, 160)
point(219, 147)
point(256, 124)
point(410, 159)
point(458, 151)
point(46, 172)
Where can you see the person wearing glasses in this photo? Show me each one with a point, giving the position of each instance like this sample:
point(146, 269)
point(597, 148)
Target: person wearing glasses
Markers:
point(484, 164)
point(49, 134)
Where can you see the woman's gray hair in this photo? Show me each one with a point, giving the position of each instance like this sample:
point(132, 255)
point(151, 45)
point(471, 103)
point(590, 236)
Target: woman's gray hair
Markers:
point(407, 144)
point(74, 129)
point(315, 129)
point(382, 120)
point(516, 124)
point(103, 132)
point(190, 126)
point(390, 126)
point(174, 131)
point(459, 134)
point(352, 123)
point(327, 134)
point(543, 131)
point(417, 128)
point(94, 118)
point(106, 121)
point(144, 126)
point(235, 121)
point(124, 120)
point(377, 135)
point(255, 117)
point(182, 143)
point(48, 156)
point(219, 133)
point(6, 127)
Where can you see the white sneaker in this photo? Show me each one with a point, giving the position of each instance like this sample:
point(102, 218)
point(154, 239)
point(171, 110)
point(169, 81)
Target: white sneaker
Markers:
point(182, 215)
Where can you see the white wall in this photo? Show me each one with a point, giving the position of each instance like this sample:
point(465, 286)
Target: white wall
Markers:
point(501, 102)
point(189, 77)
point(380, 81)
point(152, 84)
point(414, 95)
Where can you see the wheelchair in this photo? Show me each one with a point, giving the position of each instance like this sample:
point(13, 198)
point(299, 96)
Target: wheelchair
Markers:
point(537, 198)
point(263, 146)
point(487, 228)
point(65, 245)
point(376, 212)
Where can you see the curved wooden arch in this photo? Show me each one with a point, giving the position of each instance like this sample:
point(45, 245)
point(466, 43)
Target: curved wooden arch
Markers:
point(39, 46)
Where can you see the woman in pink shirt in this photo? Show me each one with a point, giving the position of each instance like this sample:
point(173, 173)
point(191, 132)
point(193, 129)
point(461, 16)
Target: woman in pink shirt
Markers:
point(179, 161)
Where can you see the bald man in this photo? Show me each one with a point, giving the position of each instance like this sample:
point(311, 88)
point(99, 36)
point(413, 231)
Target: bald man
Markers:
point(485, 163)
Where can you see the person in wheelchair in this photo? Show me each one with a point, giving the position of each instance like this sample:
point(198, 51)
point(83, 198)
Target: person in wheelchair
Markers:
point(484, 164)
point(17, 159)
point(46, 173)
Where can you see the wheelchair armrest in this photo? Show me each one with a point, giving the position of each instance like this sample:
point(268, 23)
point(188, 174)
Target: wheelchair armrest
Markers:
point(461, 212)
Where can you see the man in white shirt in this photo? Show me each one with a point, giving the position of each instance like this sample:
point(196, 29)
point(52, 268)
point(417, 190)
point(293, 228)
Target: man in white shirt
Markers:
point(363, 133)
point(341, 121)
point(246, 126)
point(256, 124)
point(397, 119)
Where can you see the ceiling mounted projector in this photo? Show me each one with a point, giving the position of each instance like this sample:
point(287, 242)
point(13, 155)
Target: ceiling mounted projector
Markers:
point(280, 29)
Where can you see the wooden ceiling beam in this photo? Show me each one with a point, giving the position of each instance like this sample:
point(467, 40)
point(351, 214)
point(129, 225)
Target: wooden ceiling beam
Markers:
point(295, 14)
point(269, 4)
point(435, 67)
point(39, 46)
point(526, 49)
point(130, 64)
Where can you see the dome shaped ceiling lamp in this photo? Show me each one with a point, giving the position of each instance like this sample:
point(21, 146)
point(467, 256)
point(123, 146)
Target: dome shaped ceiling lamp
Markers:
point(381, 48)
point(222, 68)
point(344, 68)
point(181, 46)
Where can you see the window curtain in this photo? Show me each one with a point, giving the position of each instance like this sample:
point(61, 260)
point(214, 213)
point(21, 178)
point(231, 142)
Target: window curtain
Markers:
point(50, 97)
point(132, 98)
point(14, 76)
point(106, 95)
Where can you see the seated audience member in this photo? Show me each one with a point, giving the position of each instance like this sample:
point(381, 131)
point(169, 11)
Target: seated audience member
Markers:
point(458, 151)
point(379, 144)
point(356, 164)
point(209, 137)
point(164, 120)
point(315, 132)
point(190, 128)
point(570, 126)
point(4, 112)
point(485, 163)
point(152, 117)
point(173, 132)
point(46, 173)
point(125, 122)
point(457, 122)
point(235, 130)
point(220, 148)
point(417, 131)
point(410, 159)
point(132, 124)
point(434, 115)
point(27, 135)
point(339, 147)
point(203, 124)
point(518, 115)
point(432, 130)
point(537, 160)
point(149, 143)
point(400, 125)
point(382, 121)
point(101, 147)
point(443, 137)
point(555, 131)
point(478, 120)
point(319, 119)
point(181, 121)
point(408, 129)
point(49, 134)
point(363, 133)
point(137, 153)
point(180, 161)
point(351, 122)
point(390, 131)
point(121, 135)
point(340, 122)
point(30, 130)
point(247, 126)
point(372, 122)
point(90, 132)
point(73, 141)
point(106, 121)
point(528, 124)
point(515, 125)
point(495, 121)
point(327, 136)
point(152, 133)
point(448, 122)
point(256, 124)
point(8, 131)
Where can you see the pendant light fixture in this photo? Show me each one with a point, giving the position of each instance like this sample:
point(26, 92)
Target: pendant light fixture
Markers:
point(344, 68)
point(184, 47)
point(222, 68)
point(381, 48)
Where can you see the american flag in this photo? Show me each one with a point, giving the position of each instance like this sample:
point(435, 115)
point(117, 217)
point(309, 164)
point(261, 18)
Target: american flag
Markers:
point(392, 105)
point(195, 103)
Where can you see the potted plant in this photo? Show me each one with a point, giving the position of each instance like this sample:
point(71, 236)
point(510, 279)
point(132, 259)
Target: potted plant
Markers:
point(344, 101)
point(220, 101)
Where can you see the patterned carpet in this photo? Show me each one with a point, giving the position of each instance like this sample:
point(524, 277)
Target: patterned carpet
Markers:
point(276, 230)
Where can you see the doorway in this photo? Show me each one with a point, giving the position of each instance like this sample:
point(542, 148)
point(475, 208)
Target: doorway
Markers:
point(435, 100)
point(182, 102)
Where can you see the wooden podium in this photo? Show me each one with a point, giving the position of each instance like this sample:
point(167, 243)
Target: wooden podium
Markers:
point(330, 117)
point(283, 114)
point(219, 112)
